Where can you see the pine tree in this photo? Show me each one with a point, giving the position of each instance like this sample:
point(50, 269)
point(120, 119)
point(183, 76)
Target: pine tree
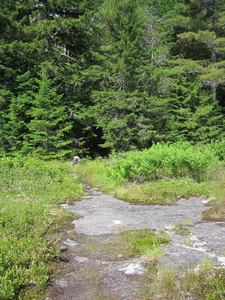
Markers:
point(129, 73)
point(49, 126)
point(38, 33)
point(201, 43)
point(192, 114)
point(196, 114)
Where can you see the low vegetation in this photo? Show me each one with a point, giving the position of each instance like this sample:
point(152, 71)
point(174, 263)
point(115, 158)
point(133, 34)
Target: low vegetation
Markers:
point(164, 160)
point(162, 174)
point(145, 242)
point(206, 283)
point(29, 217)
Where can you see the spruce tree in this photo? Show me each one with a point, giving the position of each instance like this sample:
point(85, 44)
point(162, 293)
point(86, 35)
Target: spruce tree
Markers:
point(200, 40)
point(48, 127)
point(128, 72)
point(198, 70)
point(192, 115)
point(36, 34)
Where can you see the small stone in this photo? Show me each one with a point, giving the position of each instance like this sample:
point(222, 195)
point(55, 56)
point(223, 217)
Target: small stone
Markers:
point(63, 248)
point(133, 267)
point(62, 283)
point(117, 222)
point(81, 259)
point(120, 255)
point(70, 243)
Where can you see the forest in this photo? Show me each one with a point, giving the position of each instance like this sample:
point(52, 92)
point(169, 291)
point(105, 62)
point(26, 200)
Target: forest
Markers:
point(92, 77)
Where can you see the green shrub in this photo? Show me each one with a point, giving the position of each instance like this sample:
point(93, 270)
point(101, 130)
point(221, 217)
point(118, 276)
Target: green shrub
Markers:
point(164, 160)
point(218, 147)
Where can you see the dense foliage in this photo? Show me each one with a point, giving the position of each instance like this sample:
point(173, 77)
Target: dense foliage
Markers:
point(165, 161)
point(84, 77)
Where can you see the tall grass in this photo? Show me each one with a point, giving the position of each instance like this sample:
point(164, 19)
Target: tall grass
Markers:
point(38, 179)
point(29, 191)
point(217, 188)
point(207, 284)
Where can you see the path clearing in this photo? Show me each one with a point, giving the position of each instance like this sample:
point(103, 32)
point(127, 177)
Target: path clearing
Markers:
point(96, 269)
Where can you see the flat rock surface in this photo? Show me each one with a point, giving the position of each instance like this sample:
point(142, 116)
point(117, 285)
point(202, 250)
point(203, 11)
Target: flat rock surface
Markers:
point(104, 214)
point(93, 273)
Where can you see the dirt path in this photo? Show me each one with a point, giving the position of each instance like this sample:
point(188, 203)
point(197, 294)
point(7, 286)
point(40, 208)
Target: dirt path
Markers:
point(96, 266)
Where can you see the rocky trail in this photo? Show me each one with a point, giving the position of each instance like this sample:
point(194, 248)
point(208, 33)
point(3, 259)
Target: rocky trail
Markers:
point(93, 264)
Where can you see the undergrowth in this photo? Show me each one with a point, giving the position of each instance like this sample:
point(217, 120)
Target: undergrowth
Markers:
point(207, 283)
point(30, 192)
point(31, 189)
point(162, 160)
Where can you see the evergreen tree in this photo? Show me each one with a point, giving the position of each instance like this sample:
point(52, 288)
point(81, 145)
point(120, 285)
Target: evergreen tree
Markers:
point(192, 115)
point(48, 127)
point(128, 66)
point(50, 33)
point(116, 74)
point(195, 111)
point(200, 40)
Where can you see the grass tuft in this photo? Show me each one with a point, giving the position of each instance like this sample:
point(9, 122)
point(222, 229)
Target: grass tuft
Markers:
point(208, 284)
point(145, 242)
